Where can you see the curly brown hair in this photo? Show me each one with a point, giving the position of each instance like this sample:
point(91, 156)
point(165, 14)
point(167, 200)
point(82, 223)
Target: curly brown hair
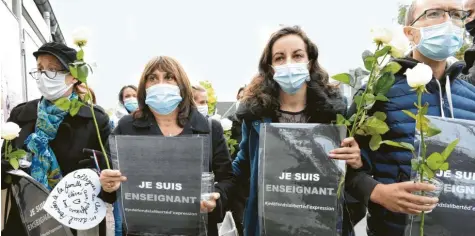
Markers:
point(173, 67)
point(324, 100)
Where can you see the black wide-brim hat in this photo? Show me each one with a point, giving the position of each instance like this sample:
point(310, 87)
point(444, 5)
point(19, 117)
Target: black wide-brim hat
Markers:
point(63, 53)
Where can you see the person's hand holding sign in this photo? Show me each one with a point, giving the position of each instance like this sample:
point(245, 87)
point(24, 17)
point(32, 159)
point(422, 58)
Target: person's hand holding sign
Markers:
point(350, 152)
point(208, 206)
point(111, 179)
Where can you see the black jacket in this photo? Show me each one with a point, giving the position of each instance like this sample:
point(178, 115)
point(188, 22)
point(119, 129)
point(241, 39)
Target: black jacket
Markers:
point(221, 161)
point(74, 134)
point(236, 133)
point(468, 74)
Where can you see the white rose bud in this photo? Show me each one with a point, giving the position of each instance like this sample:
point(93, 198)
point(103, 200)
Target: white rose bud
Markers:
point(382, 35)
point(81, 36)
point(419, 76)
point(227, 124)
point(10, 131)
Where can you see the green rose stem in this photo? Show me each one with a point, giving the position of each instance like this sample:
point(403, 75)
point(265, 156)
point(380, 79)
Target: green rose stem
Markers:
point(6, 149)
point(420, 90)
point(97, 127)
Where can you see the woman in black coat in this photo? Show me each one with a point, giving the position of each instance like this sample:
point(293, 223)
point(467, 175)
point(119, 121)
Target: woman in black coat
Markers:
point(166, 108)
point(52, 135)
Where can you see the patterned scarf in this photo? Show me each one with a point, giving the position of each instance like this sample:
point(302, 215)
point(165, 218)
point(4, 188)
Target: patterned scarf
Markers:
point(44, 166)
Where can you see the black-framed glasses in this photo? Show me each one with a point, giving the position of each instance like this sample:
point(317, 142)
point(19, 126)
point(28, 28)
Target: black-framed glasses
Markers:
point(457, 16)
point(35, 73)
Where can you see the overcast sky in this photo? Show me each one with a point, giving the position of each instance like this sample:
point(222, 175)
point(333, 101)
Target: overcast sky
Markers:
point(219, 41)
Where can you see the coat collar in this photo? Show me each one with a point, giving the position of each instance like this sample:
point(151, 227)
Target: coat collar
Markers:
point(30, 111)
point(197, 123)
point(257, 123)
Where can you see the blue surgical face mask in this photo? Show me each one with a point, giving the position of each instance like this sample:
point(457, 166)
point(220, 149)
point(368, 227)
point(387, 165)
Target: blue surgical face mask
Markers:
point(291, 77)
point(163, 98)
point(131, 104)
point(439, 42)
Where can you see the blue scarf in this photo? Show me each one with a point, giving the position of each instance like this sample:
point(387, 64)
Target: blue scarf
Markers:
point(44, 165)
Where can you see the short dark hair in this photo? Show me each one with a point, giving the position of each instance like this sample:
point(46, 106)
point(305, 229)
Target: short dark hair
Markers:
point(410, 13)
point(121, 93)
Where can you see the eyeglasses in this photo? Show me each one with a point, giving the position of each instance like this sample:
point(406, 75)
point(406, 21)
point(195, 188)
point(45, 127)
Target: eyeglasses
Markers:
point(35, 73)
point(457, 16)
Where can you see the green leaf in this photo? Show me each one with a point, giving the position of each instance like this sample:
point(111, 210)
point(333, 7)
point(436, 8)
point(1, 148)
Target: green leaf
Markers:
point(75, 106)
point(410, 114)
point(14, 163)
point(376, 126)
point(83, 72)
point(360, 132)
point(392, 67)
point(422, 125)
point(382, 52)
point(369, 62)
point(384, 83)
point(427, 171)
point(8, 179)
point(449, 149)
point(74, 71)
point(369, 101)
point(80, 55)
point(352, 118)
point(87, 98)
point(375, 142)
point(63, 104)
point(425, 109)
point(358, 99)
point(381, 98)
point(434, 161)
point(380, 115)
point(404, 145)
point(433, 131)
point(9, 148)
point(415, 164)
point(444, 166)
point(340, 119)
point(19, 153)
point(344, 78)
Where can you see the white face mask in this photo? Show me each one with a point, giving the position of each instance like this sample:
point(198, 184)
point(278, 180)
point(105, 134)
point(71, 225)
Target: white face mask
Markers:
point(203, 110)
point(237, 104)
point(53, 89)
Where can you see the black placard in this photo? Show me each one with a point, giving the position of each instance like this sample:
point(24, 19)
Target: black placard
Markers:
point(163, 188)
point(298, 181)
point(30, 197)
point(455, 211)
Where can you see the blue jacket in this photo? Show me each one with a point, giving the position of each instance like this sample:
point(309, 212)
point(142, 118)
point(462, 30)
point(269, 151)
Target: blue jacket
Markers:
point(449, 97)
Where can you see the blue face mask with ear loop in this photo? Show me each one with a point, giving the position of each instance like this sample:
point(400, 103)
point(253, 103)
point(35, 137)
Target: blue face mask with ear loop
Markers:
point(291, 76)
point(163, 98)
point(439, 42)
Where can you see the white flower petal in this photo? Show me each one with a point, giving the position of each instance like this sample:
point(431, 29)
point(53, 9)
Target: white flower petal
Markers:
point(10, 131)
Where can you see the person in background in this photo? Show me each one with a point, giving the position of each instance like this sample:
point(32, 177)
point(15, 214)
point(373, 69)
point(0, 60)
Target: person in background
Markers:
point(56, 139)
point(236, 130)
point(166, 108)
point(127, 103)
point(428, 22)
point(468, 72)
point(200, 97)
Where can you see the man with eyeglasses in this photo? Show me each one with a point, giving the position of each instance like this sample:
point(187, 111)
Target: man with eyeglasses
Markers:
point(435, 30)
point(469, 71)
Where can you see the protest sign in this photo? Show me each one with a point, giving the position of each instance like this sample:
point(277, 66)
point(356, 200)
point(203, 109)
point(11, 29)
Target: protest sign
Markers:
point(74, 201)
point(163, 188)
point(455, 211)
point(298, 181)
point(30, 196)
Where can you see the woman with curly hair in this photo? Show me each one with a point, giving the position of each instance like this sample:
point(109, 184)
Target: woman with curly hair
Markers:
point(291, 88)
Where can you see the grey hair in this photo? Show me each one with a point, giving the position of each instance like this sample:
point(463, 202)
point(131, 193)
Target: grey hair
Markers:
point(197, 87)
point(410, 13)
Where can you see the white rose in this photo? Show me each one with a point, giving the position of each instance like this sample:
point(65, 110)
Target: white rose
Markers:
point(399, 44)
point(216, 117)
point(381, 35)
point(81, 36)
point(227, 124)
point(419, 76)
point(10, 131)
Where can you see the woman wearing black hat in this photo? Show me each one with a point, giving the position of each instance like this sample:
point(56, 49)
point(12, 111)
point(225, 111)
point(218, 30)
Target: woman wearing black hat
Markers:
point(53, 137)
